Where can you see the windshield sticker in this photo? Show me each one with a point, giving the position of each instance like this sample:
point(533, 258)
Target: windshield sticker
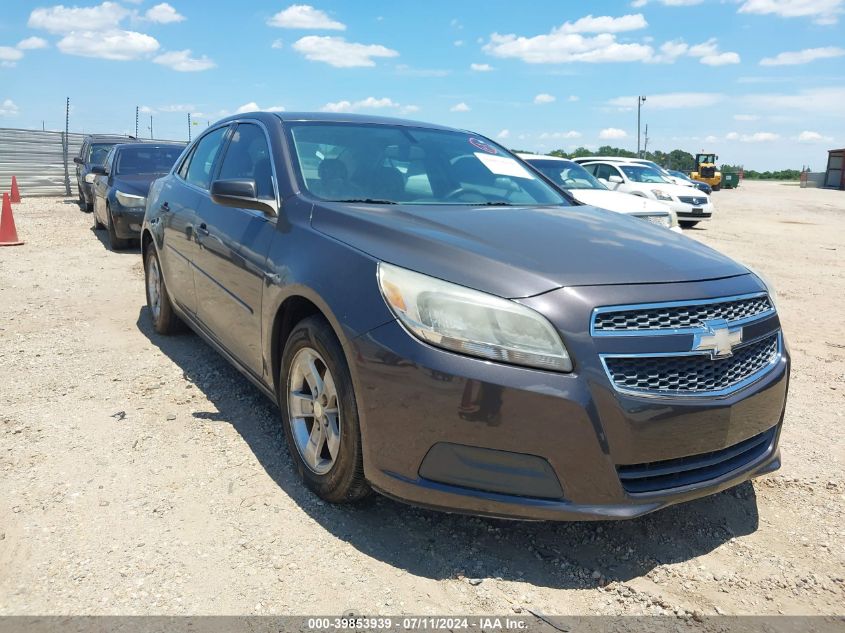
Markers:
point(484, 147)
point(503, 165)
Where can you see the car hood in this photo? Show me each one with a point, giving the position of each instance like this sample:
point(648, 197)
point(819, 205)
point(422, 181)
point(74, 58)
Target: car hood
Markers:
point(617, 201)
point(136, 184)
point(521, 251)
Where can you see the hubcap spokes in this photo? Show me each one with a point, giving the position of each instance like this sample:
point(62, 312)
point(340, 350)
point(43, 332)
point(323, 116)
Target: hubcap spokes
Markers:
point(313, 411)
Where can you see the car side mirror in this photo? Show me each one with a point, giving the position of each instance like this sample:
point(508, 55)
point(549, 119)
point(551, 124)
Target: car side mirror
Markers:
point(241, 194)
point(615, 179)
point(78, 160)
point(100, 170)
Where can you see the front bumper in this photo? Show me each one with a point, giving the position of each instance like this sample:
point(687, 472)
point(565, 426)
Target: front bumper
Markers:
point(425, 413)
point(689, 212)
point(127, 221)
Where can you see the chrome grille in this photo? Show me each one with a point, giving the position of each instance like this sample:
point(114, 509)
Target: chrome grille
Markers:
point(659, 220)
point(692, 373)
point(679, 317)
point(696, 200)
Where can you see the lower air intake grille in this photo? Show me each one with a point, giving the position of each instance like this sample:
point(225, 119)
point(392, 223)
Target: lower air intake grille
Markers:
point(695, 469)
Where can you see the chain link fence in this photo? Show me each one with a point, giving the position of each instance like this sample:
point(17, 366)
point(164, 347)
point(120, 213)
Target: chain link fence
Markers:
point(41, 161)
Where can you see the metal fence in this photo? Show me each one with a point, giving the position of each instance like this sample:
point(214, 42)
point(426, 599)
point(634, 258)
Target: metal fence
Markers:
point(41, 161)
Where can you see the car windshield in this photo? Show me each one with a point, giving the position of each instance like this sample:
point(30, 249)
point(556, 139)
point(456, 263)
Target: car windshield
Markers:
point(397, 164)
point(146, 160)
point(679, 174)
point(97, 152)
point(567, 174)
point(641, 173)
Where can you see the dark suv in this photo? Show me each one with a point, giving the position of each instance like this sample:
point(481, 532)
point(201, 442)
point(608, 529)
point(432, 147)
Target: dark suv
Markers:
point(437, 323)
point(95, 148)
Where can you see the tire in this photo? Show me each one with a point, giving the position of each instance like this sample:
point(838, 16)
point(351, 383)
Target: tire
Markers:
point(717, 187)
point(163, 317)
point(335, 476)
point(115, 243)
point(687, 225)
point(82, 205)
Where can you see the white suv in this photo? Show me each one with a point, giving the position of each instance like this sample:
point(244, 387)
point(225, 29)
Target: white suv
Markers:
point(691, 205)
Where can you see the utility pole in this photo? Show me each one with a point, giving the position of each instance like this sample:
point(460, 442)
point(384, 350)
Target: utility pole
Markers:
point(640, 102)
point(136, 121)
point(189, 127)
point(645, 141)
point(151, 126)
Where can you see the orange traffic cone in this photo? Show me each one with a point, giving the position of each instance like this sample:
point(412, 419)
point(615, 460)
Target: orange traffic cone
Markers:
point(16, 194)
point(8, 233)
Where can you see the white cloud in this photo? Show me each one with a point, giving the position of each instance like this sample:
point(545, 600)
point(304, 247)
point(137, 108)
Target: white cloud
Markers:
point(460, 107)
point(252, 106)
point(821, 11)
point(337, 52)
point(792, 58)
point(707, 53)
point(573, 98)
point(32, 43)
point(368, 103)
point(759, 137)
point(178, 107)
point(503, 134)
point(8, 108)
point(612, 133)
point(458, 43)
point(481, 68)
point(277, 43)
point(732, 136)
point(671, 100)
point(816, 101)
point(746, 117)
point(115, 44)
point(567, 44)
point(9, 54)
point(163, 14)
point(303, 16)
point(812, 137)
point(60, 19)
point(146, 110)
point(560, 135)
point(409, 109)
point(711, 139)
point(544, 98)
point(182, 61)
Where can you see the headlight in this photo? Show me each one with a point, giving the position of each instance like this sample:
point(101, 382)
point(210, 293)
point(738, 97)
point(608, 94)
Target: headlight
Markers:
point(660, 194)
point(773, 295)
point(89, 178)
point(471, 322)
point(130, 200)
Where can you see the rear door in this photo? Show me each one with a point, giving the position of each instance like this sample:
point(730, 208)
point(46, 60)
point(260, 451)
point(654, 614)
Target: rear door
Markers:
point(181, 195)
point(233, 245)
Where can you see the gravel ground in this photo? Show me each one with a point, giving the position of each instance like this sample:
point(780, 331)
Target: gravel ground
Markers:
point(143, 475)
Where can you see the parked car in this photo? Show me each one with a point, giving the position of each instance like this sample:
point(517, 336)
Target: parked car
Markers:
point(95, 148)
point(698, 184)
point(438, 323)
point(642, 180)
point(683, 182)
point(583, 186)
point(121, 185)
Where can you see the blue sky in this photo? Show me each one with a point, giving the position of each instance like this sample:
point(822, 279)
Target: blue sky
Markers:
point(760, 82)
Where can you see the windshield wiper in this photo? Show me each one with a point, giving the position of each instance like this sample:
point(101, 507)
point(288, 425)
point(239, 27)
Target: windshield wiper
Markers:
point(493, 204)
point(367, 201)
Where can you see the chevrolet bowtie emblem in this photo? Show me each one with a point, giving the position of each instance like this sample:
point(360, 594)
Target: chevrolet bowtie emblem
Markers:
point(717, 338)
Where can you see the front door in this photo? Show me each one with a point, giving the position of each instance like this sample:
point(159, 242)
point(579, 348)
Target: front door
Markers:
point(233, 245)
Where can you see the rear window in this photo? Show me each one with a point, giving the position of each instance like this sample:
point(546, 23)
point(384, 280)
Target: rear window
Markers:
point(146, 160)
point(97, 152)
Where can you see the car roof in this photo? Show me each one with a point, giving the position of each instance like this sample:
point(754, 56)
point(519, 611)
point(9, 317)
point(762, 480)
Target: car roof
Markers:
point(525, 156)
point(338, 117)
point(111, 138)
point(613, 159)
point(151, 144)
point(617, 163)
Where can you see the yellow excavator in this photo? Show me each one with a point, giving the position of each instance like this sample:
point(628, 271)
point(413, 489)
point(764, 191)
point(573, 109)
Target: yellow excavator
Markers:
point(705, 170)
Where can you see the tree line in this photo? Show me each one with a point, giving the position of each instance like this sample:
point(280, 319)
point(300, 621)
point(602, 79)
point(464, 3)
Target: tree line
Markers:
point(676, 159)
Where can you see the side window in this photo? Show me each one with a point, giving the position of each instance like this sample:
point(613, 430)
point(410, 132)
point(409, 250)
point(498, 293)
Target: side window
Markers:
point(108, 163)
point(248, 158)
point(183, 168)
point(604, 171)
point(202, 161)
point(593, 169)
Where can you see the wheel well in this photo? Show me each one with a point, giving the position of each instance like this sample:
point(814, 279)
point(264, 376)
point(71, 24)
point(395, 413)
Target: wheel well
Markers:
point(146, 238)
point(292, 311)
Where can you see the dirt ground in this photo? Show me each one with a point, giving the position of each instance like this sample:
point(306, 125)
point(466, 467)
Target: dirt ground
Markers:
point(142, 475)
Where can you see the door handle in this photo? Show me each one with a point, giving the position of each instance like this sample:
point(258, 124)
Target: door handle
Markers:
point(202, 229)
point(165, 207)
